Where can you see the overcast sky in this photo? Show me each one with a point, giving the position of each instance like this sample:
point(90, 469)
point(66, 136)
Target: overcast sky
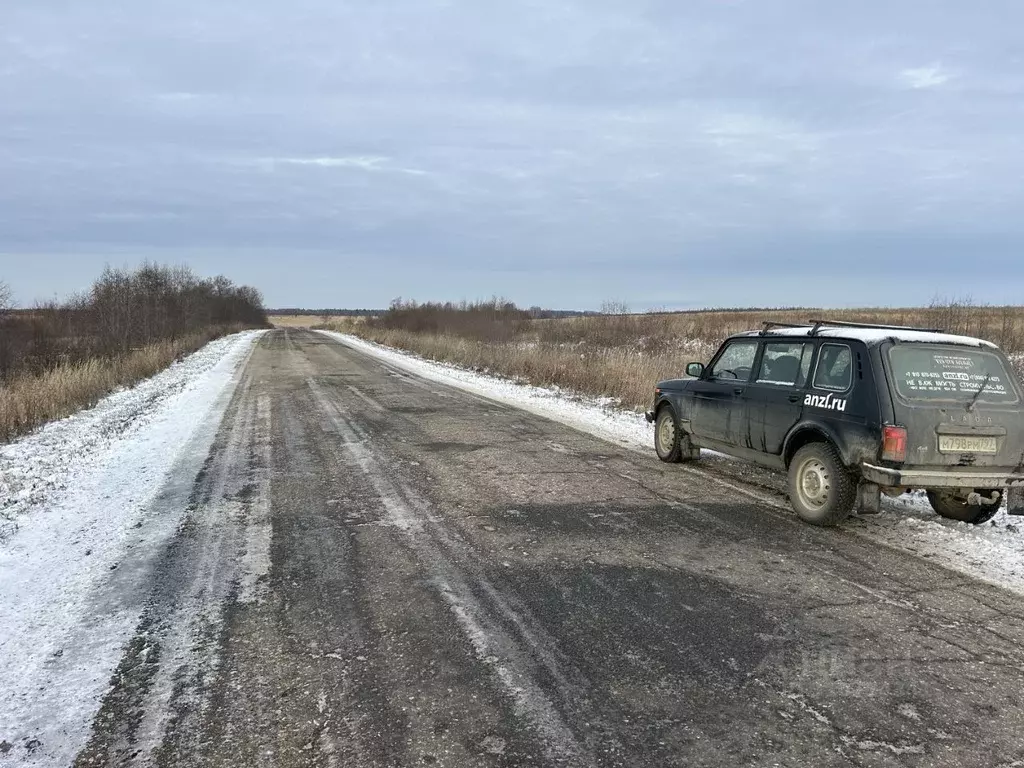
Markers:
point(558, 152)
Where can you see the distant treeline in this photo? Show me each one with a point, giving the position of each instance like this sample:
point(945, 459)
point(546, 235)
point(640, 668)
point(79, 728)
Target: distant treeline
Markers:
point(495, 320)
point(534, 312)
point(122, 312)
point(325, 312)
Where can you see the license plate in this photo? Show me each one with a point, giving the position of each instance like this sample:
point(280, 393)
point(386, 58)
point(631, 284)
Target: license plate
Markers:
point(965, 444)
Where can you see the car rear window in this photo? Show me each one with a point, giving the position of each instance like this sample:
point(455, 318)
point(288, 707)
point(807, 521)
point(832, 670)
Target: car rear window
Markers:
point(929, 372)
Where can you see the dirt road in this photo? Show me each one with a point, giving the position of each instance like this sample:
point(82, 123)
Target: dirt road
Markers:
point(376, 570)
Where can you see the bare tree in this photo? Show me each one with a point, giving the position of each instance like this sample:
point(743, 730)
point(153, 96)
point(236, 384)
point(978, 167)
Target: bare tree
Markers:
point(6, 347)
point(614, 307)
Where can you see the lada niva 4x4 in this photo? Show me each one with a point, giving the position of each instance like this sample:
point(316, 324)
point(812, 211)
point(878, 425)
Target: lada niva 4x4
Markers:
point(851, 411)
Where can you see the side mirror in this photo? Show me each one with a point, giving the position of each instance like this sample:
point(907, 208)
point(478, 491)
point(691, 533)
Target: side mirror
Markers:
point(696, 370)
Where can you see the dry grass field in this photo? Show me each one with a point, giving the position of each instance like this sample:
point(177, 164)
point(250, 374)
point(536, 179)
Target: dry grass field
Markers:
point(294, 321)
point(312, 321)
point(28, 401)
point(60, 357)
point(622, 356)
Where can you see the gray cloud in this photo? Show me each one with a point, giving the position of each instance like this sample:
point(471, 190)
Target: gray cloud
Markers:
point(470, 144)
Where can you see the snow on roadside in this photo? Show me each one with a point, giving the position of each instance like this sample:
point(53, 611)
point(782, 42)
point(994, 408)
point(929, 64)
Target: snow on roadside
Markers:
point(84, 524)
point(993, 552)
point(597, 416)
point(41, 464)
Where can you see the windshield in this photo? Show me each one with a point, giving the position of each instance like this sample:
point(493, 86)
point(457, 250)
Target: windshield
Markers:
point(929, 372)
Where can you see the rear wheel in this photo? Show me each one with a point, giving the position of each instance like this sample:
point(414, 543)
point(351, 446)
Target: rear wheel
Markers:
point(952, 508)
point(821, 489)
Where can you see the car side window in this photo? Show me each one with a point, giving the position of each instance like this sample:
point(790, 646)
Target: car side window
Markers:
point(835, 368)
point(736, 361)
point(786, 363)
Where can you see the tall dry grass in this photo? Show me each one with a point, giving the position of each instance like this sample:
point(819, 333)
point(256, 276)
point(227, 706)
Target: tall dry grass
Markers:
point(311, 320)
point(339, 324)
point(29, 401)
point(625, 375)
point(622, 356)
point(294, 321)
point(58, 357)
point(1002, 325)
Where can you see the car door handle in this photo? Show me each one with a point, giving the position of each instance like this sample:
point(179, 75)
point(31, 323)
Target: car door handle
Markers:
point(795, 398)
point(738, 391)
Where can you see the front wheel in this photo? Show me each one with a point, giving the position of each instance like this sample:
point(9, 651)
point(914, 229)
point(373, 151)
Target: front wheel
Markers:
point(821, 489)
point(667, 436)
point(950, 507)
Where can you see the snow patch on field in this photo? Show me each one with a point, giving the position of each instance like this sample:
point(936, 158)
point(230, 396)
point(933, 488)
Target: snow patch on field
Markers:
point(993, 552)
point(84, 524)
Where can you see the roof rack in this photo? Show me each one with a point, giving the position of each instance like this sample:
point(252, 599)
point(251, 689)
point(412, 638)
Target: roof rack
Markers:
point(819, 324)
point(767, 325)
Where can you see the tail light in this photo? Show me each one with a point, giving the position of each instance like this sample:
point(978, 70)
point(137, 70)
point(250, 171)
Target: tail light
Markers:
point(894, 444)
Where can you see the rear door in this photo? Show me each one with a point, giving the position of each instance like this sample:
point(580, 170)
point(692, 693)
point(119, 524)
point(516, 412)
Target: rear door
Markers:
point(719, 406)
point(776, 398)
point(961, 405)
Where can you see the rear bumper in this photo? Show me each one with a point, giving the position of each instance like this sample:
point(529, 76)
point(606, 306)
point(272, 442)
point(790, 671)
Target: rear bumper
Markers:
point(952, 477)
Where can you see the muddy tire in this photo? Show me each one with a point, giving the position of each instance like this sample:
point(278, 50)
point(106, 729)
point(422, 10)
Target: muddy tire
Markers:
point(668, 438)
point(948, 506)
point(821, 489)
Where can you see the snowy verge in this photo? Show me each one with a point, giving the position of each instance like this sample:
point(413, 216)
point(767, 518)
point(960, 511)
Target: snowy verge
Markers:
point(41, 464)
point(85, 523)
point(993, 552)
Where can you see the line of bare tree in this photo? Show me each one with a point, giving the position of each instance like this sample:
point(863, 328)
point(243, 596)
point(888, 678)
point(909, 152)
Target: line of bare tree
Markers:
point(496, 320)
point(123, 311)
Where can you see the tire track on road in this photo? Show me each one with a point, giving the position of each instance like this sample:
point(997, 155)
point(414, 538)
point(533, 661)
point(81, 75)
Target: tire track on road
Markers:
point(220, 556)
point(489, 621)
